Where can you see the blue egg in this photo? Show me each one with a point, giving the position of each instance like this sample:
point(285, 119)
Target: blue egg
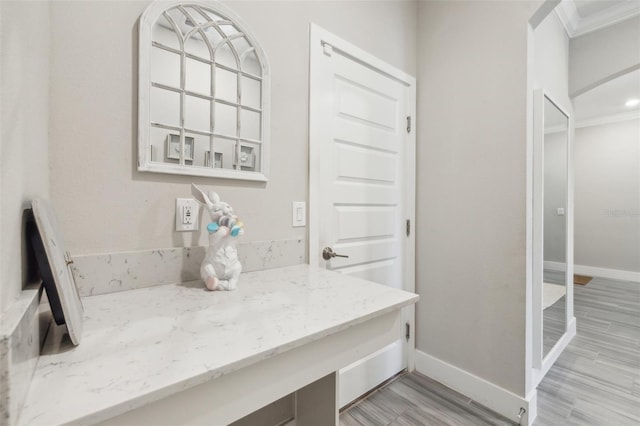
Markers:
point(212, 227)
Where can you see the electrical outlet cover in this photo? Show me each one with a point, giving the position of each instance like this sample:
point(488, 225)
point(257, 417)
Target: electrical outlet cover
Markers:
point(184, 223)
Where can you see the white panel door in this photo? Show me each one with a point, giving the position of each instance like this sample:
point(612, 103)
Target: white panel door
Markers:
point(360, 197)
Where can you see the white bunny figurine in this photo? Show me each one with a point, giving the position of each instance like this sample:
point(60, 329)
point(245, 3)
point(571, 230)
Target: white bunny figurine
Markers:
point(221, 268)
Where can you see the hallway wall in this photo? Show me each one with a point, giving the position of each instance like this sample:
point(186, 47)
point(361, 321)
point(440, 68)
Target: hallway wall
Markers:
point(607, 196)
point(94, 179)
point(471, 221)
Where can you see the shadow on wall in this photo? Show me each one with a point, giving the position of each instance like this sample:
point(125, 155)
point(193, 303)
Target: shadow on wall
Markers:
point(30, 272)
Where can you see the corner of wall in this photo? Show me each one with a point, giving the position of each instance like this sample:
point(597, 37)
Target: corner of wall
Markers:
point(483, 392)
point(24, 59)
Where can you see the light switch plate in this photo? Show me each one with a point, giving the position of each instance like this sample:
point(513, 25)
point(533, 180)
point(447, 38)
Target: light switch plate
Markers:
point(187, 216)
point(299, 214)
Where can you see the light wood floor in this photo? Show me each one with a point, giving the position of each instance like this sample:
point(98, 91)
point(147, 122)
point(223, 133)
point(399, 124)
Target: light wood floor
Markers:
point(596, 381)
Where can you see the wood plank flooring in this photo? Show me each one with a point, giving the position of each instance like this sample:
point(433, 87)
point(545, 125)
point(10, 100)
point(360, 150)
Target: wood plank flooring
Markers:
point(596, 380)
point(413, 400)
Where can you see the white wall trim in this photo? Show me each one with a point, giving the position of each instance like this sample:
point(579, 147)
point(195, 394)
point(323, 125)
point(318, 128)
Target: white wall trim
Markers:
point(555, 266)
point(614, 274)
point(483, 392)
point(537, 198)
point(609, 119)
point(595, 271)
point(529, 387)
point(576, 26)
point(568, 15)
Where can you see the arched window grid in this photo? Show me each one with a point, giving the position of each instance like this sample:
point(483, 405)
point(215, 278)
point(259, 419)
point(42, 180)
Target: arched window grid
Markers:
point(226, 40)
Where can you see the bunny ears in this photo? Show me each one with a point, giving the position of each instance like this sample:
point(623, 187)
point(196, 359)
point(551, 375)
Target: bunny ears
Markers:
point(210, 200)
point(223, 218)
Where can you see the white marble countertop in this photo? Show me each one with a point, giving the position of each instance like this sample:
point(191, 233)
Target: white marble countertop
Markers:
point(142, 345)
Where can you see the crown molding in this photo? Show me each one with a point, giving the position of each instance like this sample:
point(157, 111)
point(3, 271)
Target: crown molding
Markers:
point(609, 119)
point(576, 26)
point(568, 15)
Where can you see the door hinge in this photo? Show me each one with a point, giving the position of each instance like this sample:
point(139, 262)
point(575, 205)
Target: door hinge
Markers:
point(407, 331)
point(408, 124)
point(327, 49)
point(408, 227)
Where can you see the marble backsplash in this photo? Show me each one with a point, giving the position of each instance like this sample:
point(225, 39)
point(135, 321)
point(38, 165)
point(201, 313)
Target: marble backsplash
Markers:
point(24, 324)
point(107, 273)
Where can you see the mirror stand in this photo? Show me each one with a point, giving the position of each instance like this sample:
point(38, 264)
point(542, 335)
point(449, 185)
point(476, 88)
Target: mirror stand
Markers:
point(552, 303)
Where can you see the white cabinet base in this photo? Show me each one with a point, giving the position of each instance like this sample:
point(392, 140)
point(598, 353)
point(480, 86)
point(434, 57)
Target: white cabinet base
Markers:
point(309, 370)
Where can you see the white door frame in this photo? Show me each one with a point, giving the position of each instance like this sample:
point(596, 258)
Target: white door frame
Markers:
point(319, 36)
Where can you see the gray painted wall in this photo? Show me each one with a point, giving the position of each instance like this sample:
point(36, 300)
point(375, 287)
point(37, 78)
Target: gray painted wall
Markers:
point(25, 151)
point(551, 60)
point(103, 202)
point(602, 54)
point(607, 196)
point(607, 158)
point(471, 195)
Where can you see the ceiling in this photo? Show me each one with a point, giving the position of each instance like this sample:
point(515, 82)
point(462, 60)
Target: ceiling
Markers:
point(588, 8)
point(581, 17)
point(608, 99)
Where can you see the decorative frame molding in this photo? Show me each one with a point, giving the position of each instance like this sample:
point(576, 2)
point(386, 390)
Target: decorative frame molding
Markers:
point(609, 119)
point(576, 26)
point(146, 23)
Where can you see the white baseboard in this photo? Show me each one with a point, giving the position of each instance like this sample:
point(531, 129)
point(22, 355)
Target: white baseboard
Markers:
point(594, 271)
point(483, 392)
point(532, 412)
point(554, 266)
point(614, 274)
